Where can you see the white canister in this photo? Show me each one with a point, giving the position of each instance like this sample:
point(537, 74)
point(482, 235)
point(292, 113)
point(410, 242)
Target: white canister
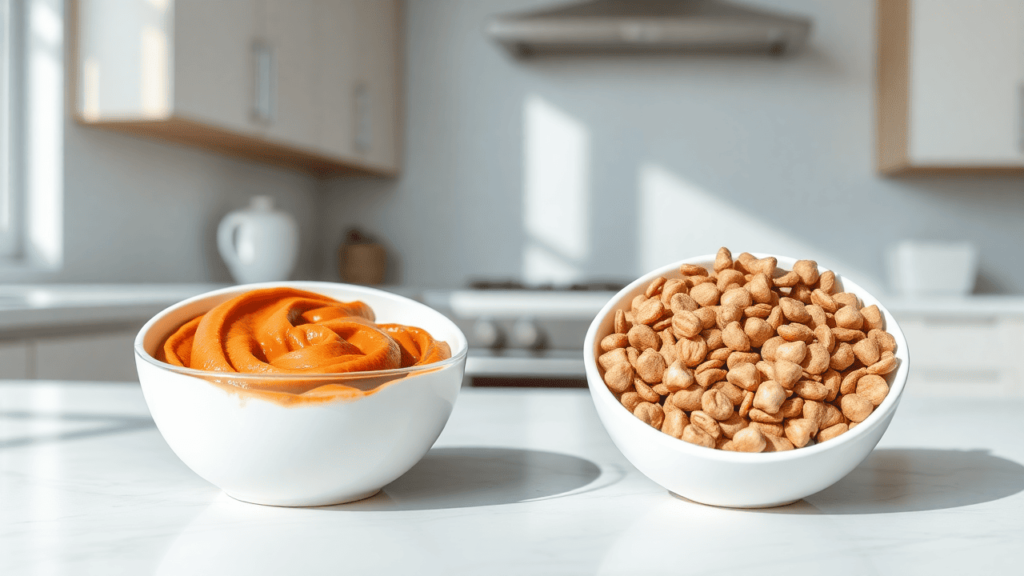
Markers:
point(259, 243)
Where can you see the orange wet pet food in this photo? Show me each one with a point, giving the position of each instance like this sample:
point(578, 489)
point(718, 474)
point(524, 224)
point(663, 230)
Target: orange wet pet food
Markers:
point(289, 331)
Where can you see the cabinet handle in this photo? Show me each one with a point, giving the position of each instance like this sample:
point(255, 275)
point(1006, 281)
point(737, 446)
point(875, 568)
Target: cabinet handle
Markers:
point(264, 104)
point(1020, 116)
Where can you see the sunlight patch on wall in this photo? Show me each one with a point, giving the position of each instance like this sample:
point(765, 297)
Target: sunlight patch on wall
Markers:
point(556, 194)
point(678, 219)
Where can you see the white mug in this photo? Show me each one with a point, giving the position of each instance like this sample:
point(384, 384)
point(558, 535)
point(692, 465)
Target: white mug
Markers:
point(259, 243)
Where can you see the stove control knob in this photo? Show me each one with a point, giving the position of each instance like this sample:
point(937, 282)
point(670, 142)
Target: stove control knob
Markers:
point(487, 334)
point(526, 334)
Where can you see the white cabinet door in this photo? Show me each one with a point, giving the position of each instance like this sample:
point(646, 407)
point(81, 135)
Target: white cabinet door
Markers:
point(966, 83)
point(335, 30)
point(214, 62)
point(376, 92)
point(14, 360)
point(289, 32)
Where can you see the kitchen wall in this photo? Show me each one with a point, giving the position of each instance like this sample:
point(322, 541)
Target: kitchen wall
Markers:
point(139, 210)
point(570, 169)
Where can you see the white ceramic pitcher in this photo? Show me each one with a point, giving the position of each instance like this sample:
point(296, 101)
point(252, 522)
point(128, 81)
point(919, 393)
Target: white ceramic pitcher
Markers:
point(259, 243)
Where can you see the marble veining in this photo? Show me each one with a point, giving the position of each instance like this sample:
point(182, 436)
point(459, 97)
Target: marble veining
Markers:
point(520, 482)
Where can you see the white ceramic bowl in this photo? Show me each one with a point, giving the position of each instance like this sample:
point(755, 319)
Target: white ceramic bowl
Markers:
point(734, 479)
point(305, 454)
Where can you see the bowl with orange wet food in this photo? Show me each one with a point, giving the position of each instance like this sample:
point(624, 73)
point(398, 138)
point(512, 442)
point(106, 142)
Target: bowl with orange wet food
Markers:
point(300, 393)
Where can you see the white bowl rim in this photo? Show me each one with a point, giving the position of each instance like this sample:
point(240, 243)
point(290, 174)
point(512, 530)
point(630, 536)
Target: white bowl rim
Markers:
point(458, 353)
point(600, 391)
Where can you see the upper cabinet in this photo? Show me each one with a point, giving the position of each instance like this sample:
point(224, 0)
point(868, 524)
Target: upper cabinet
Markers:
point(312, 84)
point(950, 86)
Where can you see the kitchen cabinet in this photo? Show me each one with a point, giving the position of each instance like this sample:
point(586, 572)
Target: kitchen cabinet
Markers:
point(950, 86)
point(311, 84)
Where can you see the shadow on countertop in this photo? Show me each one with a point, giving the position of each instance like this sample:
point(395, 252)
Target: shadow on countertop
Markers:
point(465, 477)
point(914, 480)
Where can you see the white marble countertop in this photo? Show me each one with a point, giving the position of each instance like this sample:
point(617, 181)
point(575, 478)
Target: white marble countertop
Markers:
point(520, 482)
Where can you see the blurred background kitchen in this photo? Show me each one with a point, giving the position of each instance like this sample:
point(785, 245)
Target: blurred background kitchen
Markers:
point(511, 162)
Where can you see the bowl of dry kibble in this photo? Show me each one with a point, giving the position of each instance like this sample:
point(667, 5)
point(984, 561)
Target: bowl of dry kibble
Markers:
point(745, 382)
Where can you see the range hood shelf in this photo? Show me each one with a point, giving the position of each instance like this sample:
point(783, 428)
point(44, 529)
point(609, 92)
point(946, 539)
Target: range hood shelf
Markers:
point(649, 26)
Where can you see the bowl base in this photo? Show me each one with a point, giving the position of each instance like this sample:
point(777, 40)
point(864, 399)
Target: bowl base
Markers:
point(752, 507)
point(303, 504)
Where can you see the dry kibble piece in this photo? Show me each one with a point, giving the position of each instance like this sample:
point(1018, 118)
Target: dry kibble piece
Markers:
point(649, 312)
point(825, 337)
point(632, 354)
point(801, 292)
point(818, 316)
point(637, 301)
point(650, 413)
point(722, 353)
point(749, 440)
point(674, 423)
point(768, 429)
point(794, 332)
point(707, 365)
point(621, 326)
point(794, 310)
point(760, 288)
point(827, 282)
point(686, 324)
point(886, 364)
point(654, 288)
point(727, 315)
point(708, 316)
point(850, 318)
point(643, 337)
point(650, 366)
point(705, 294)
point(846, 299)
point(677, 377)
point(777, 443)
point(765, 370)
point(728, 278)
point(663, 324)
point(736, 358)
point(696, 435)
point(873, 388)
point(787, 280)
point(855, 407)
point(815, 412)
point(747, 404)
point(669, 407)
point(850, 379)
point(831, 432)
point(833, 416)
point(691, 351)
point(832, 381)
point(619, 377)
point(672, 287)
point(705, 422)
point(872, 318)
point(799, 431)
point(733, 393)
point(739, 297)
point(848, 334)
point(609, 359)
point(842, 357)
point(744, 376)
point(713, 338)
point(817, 359)
point(807, 270)
point(866, 351)
point(708, 377)
point(688, 399)
point(758, 415)
point(886, 342)
point(776, 318)
point(764, 266)
point(723, 260)
point(647, 394)
point(823, 299)
point(668, 346)
point(693, 270)
point(613, 341)
point(787, 373)
point(792, 351)
point(732, 425)
point(810, 390)
point(717, 405)
point(682, 301)
point(630, 400)
point(771, 347)
point(761, 311)
point(769, 397)
point(792, 407)
point(734, 337)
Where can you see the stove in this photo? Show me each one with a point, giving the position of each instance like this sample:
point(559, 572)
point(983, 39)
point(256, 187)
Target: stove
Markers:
point(523, 336)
